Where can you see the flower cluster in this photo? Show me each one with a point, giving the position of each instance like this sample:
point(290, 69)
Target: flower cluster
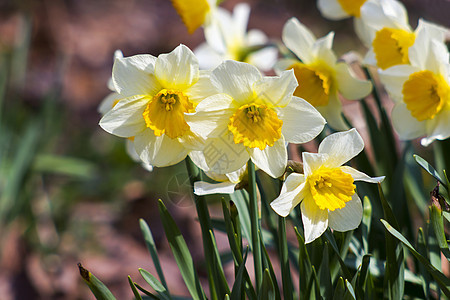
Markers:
point(217, 107)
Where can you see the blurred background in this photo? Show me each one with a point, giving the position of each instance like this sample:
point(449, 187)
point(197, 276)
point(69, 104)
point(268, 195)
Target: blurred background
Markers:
point(69, 193)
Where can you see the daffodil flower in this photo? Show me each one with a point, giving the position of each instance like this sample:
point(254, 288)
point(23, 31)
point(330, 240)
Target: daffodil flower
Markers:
point(195, 13)
point(388, 34)
point(226, 182)
point(227, 38)
point(252, 117)
point(343, 9)
point(320, 76)
point(326, 190)
point(155, 93)
point(107, 104)
point(421, 91)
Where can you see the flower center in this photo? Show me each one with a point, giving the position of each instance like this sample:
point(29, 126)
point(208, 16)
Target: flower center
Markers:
point(315, 82)
point(165, 113)
point(391, 47)
point(255, 125)
point(352, 7)
point(192, 12)
point(331, 188)
point(425, 94)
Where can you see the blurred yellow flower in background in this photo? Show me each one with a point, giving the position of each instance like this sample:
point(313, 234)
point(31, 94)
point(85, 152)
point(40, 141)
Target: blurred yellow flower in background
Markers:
point(319, 74)
point(195, 13)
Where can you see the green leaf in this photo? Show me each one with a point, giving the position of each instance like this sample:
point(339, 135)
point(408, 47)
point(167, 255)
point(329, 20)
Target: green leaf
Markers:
point(423, 250)
point(366, 222)
point(240, 200)
point(324, 274)
point(181, 253)
point(70, 166)
point(305, 266)
point(149, 295)
point(238, 289)
point(441, 279)
point(350, 293)
point(268, 264)
point(330, 237)
point(429, 168)
point(148, 237)
point(221, 281)
point(100, 291)
point(155, 284)
point(137, 296)
point(339, 292)
point(267, 291)
point(437, 221)
point(284, 260)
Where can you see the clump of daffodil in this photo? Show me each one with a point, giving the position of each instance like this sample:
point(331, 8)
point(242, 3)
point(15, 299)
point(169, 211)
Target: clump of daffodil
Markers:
point(153, 95)
point(195, 13)
point(421, 91)
point(388, 34)
point(227, 38)
point(319, 74)
point(326, 191)
point(252, 117)
point(343, 9)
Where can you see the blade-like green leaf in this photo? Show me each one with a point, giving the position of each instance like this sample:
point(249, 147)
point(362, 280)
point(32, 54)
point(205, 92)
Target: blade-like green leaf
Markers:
point(181, 253)
point(267, 291)
point(423, 250)
point(441, 279)
point(366, 222)
point(137, 296)
point(70, 166)
point(268, 267)
point(155, 284)
point(305, 266)
point(339, 292)
point(148, 237)
point(238, 289)
point(429, 168)
point(100, 291)
point(350, 293)
point(221, 281)
point(240, 200)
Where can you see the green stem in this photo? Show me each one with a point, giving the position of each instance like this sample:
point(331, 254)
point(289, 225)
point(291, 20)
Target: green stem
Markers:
point(205, 224)
point(255, 224)
point(284, 259)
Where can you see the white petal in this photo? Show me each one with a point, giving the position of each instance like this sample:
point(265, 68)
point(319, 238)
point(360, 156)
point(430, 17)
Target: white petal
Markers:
point(333, 113)
point(341, 147)
point(202, 89)
point(405, 124)
point(276, 90)
point(322, 49)
point(393, 79)
point(135, 76)
point(365, 32)
point(312, 162)
point(360, 176)
point(349, 85)
point(299, 39)
point(285, 202)
point(192, 141)
point(331, 9)
point(208, 58)
point(223, 156)
point(347, 218)
point(271, 160)
point(241, 12)
point(177, 69)
point(301, 121)
point(438, 128)
point(129, 146)
point(159, 151)
point(236, 79)
point(264, 59)
point(255, 37)
point(199, 160)
point(212, 116)
point(108, 103)
point(385, 14)
point(214, 31)
point(370, 58)
point(315, 220)
point(205, 188)
point(125, 119)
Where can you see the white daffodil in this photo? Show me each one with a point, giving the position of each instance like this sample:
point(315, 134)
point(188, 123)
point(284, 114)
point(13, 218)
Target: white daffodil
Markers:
point(195, 13)
point(388, 34)
point(343, 9)
point(252, 117)
point(227, 38)
point(325, 191)
point(421, 91)
point(155, 93)
point(107, 104)
point(226, 182)
point(320, 76)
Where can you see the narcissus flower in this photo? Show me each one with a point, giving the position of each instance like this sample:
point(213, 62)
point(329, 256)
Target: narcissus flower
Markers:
point(421, 91)
point(326, 190)
point(195, 13)
point(320, 76)
point(388, 34)
point(252, 117)
point(227, 38)
point(154, 95)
